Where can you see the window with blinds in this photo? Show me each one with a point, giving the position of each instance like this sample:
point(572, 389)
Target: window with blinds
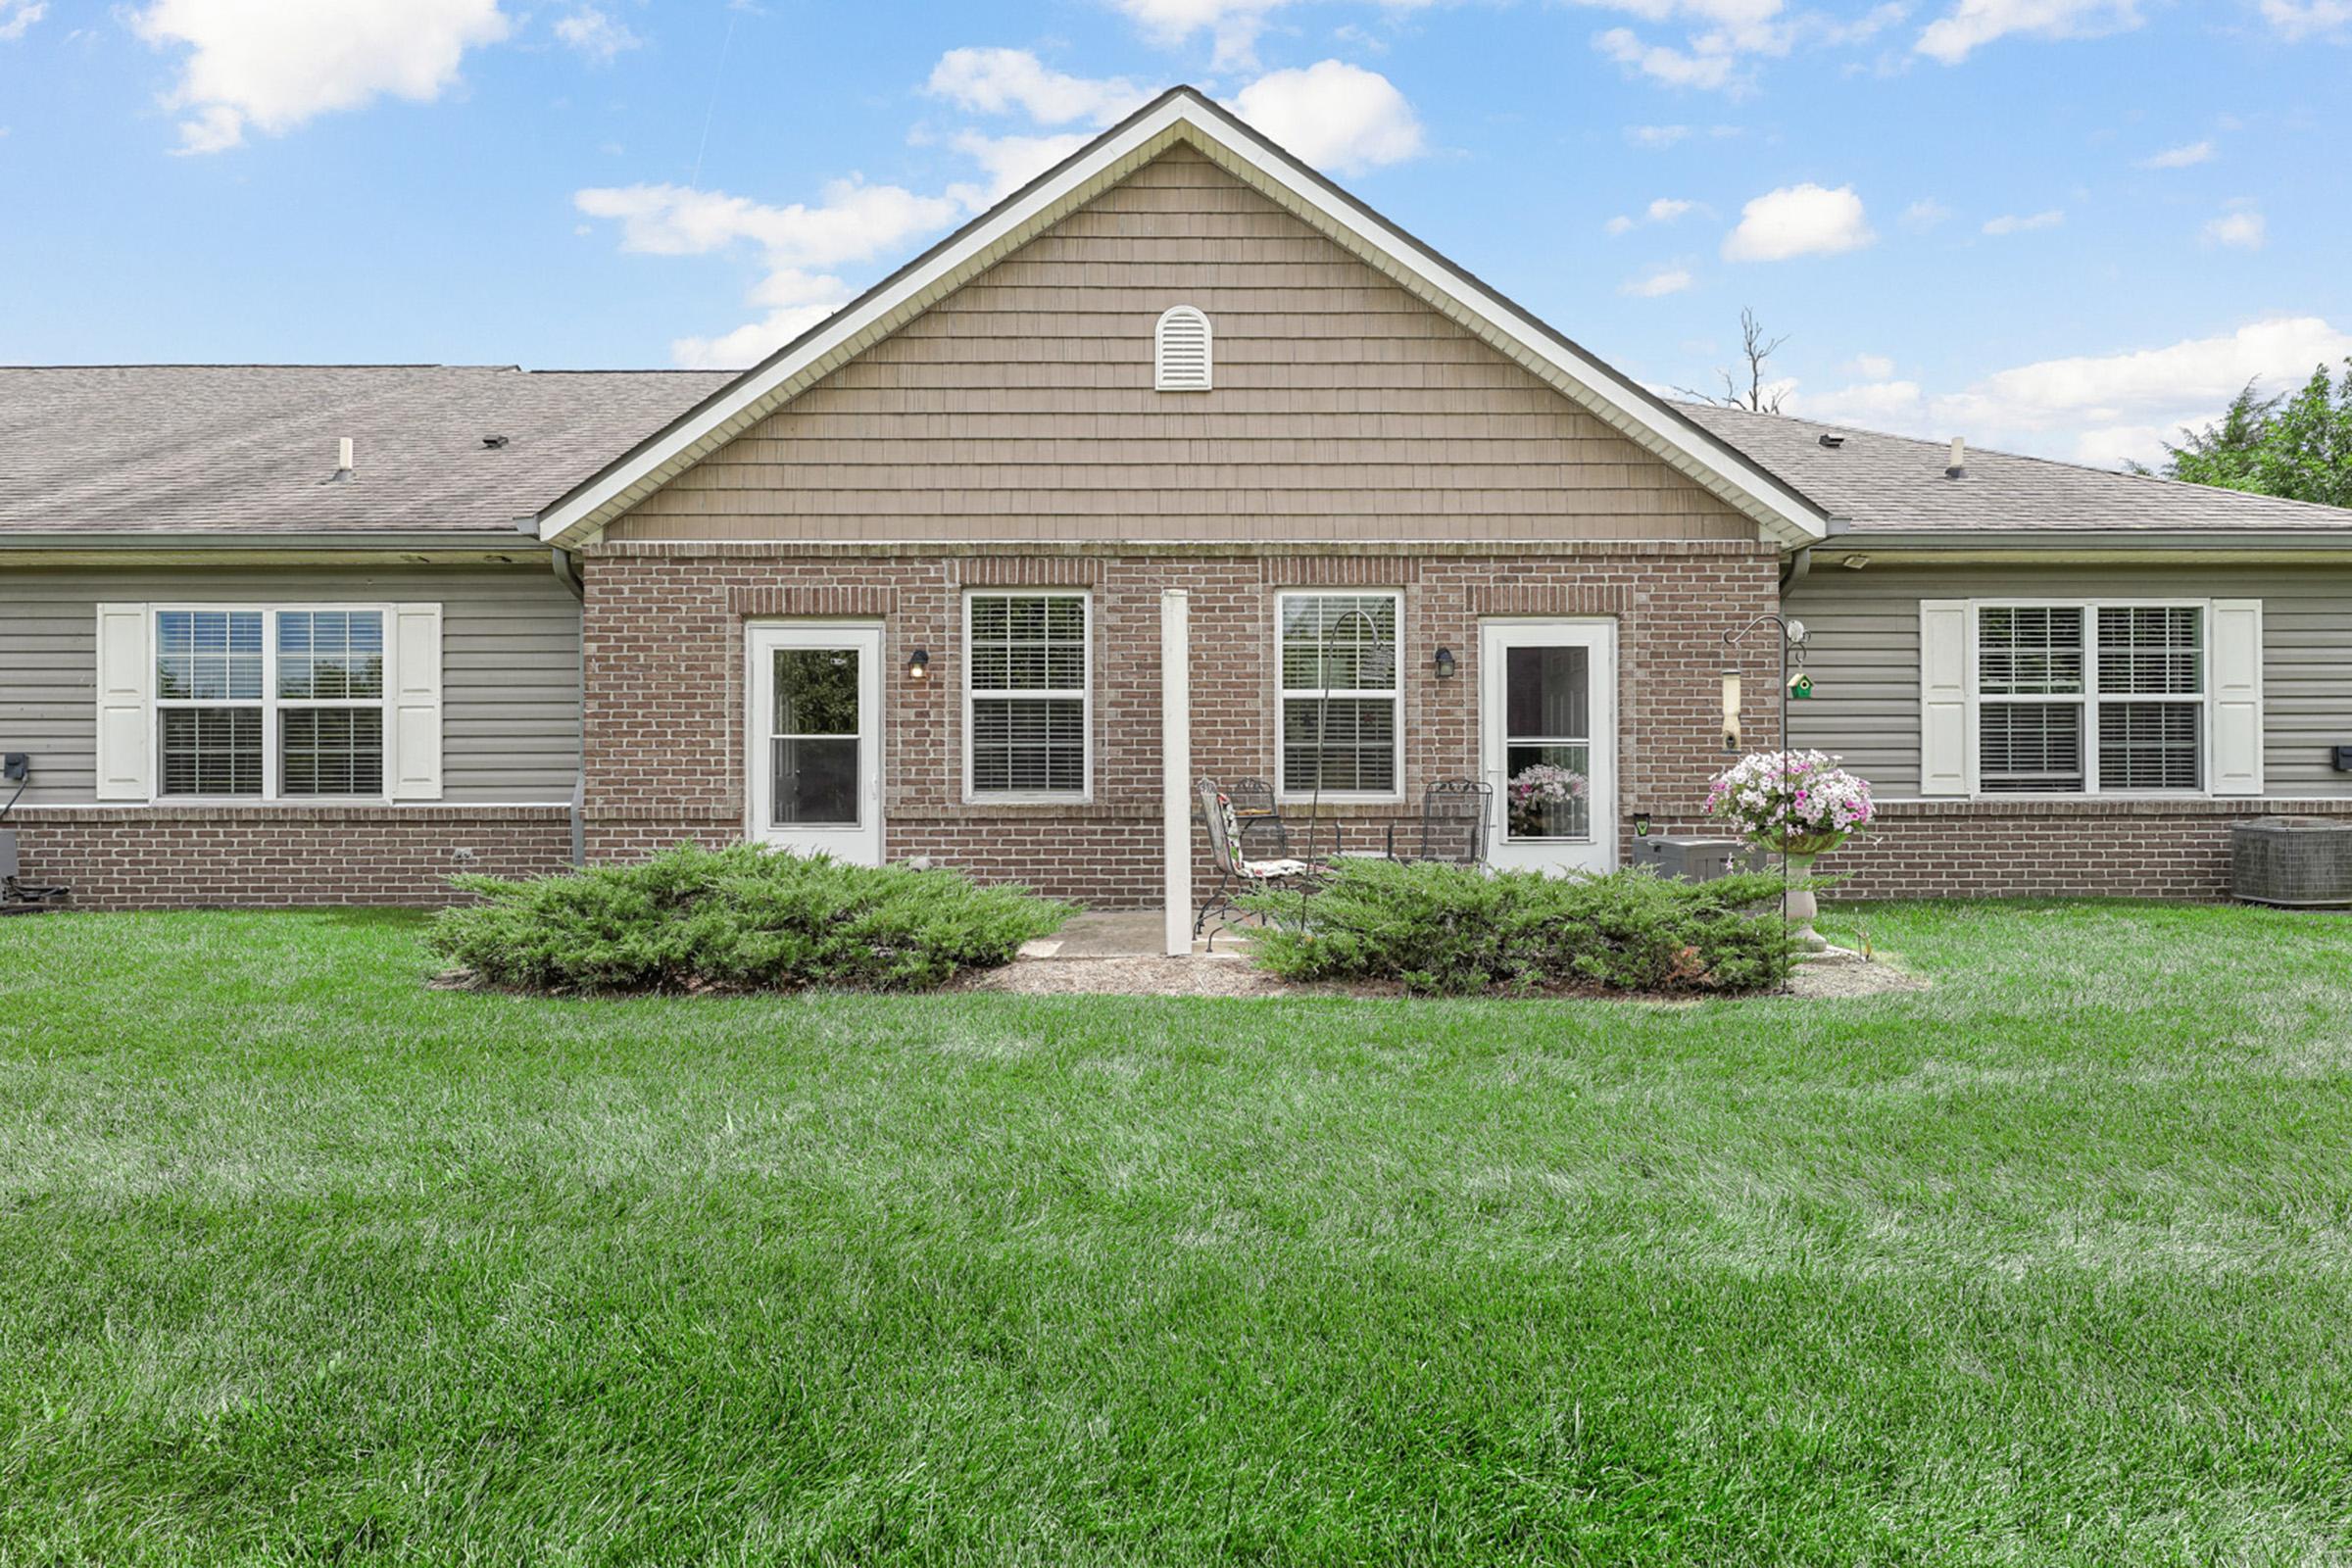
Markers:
point(1026, 695)
point(1341, 692)
point(2084, 699)
point(269, 704)
point(1180, 347)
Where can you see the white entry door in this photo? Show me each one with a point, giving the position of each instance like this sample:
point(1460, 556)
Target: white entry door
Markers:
point(1548, 739)
point(814, 739)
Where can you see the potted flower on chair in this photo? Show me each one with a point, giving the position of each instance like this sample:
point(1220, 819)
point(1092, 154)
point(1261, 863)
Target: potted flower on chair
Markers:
point(1797, 803)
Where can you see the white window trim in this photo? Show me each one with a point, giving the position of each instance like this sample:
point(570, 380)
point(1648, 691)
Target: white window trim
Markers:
point(270, 703)
point(1284, 696)
point(1084, 794)
point(2088, 700)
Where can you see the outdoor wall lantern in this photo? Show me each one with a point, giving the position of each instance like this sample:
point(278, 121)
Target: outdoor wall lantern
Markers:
point(1730, 709)
point(1444, 660)
point(918, 664)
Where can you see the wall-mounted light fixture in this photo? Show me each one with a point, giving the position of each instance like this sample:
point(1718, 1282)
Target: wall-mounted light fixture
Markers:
point(918, 664)
point(1730, 709)
point(1443, 660)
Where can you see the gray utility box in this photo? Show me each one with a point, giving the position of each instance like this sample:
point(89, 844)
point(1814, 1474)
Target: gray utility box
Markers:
point(1696, 859)
point(9, 866)
point(2297, 861)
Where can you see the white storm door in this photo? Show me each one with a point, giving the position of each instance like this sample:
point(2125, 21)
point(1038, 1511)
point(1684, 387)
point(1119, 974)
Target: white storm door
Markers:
point(814, 739)
point(1548, 742)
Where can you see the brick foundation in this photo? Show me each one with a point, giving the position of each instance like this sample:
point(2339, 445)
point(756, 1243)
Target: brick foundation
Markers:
point(212, 857)
point(666, 627)
point(2052, 849)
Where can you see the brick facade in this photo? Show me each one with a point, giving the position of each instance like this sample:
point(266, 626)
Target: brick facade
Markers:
point(2052, 849)
point(214, 857)
point(665, 626)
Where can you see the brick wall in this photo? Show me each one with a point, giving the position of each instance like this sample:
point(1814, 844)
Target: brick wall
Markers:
point(211, 857)
point(2052, 849)
point(665, 627)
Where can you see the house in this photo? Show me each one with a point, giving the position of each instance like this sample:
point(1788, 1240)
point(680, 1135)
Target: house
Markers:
point(898, 591)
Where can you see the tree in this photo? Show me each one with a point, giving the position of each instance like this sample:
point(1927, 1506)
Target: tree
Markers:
point(2298, 446)
point(1755, 349)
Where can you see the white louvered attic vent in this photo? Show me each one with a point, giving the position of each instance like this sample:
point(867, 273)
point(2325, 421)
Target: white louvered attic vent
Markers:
point(1180, 351)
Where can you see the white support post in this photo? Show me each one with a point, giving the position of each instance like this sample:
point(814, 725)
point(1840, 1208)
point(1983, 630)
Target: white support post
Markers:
point(1176, 764)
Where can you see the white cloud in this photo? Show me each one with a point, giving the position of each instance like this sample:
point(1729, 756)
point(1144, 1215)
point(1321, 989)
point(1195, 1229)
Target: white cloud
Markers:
point(854, 223)
point(1871, 366)
point(1012, 162)
point(2094, 409)
point(2243, 229)
point(1712, 70)
point(17, 18)
point(2014, 223)
point(1338, 117)
point(2181, 157)
point(1878, 404)
point(1974, 24)
point(2298, 20)
point(1664, 210)
point(271, 66)
point(1657, 137)
point(1925, 214)
point(1798, 220)
point(1658, 282)
point(997, 81)
point(2089, 404)
point(596, 34)
point(1719, 35)
point(1233, 24)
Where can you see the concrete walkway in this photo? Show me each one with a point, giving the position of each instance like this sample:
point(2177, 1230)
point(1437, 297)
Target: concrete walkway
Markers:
point(1119, 934)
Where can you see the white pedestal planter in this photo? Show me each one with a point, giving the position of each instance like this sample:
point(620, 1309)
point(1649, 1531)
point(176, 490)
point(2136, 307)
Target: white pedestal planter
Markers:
point(1803, 907)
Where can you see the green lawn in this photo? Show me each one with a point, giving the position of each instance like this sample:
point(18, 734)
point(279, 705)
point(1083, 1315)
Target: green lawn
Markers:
point(301, 1262)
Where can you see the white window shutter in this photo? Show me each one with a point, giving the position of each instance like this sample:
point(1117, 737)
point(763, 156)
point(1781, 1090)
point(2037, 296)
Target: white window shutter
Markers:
point(125, 681)
point(415, 697)
point(1944, 740)
point(1180, 360)
point(2233, 645)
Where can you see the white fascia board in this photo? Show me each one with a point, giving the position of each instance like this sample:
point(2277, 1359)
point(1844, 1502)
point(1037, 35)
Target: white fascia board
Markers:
point(1780, 511)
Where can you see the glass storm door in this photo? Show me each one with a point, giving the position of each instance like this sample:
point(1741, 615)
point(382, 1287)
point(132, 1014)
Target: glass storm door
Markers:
point(1548, 742)
point(815, 739)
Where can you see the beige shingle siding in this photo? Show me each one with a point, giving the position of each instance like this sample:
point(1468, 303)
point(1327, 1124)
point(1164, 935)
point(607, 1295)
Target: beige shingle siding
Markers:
point(1022, 408)
point(1864, 657)
point(510, 669)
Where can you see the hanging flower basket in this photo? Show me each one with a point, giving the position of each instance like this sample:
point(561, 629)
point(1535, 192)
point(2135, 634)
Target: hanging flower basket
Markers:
point(1794, 804)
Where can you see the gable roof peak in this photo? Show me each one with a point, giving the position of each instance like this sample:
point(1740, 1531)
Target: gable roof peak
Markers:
point(1185, 114)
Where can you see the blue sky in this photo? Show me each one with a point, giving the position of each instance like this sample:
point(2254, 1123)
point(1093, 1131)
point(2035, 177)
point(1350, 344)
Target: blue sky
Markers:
point(2057, 226)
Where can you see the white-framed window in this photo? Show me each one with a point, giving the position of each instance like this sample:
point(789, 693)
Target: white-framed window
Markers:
point(269, 702)
point(1341, 703)
point(1180, 351)
point(2090, 697)
point(266, 703)
point(1028, 705)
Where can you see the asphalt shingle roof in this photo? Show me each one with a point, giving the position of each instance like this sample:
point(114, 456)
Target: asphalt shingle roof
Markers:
point(1897, 483)
point(250, 449)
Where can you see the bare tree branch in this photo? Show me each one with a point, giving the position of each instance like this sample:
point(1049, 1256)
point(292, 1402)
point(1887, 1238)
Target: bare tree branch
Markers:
point(1755, 348)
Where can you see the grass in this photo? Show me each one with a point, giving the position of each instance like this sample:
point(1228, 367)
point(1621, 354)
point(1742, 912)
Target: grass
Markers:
point(300, 1263)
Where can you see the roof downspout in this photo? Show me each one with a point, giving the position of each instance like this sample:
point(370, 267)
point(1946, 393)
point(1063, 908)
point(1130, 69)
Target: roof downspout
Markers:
point(568, 572)
point(1798, 566)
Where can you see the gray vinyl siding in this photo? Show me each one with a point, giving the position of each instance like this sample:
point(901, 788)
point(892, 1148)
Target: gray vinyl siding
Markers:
point(1864, 657)
point(510, 665)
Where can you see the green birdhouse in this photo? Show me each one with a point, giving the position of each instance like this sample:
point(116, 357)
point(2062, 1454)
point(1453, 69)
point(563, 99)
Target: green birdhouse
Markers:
point(1800, 686)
